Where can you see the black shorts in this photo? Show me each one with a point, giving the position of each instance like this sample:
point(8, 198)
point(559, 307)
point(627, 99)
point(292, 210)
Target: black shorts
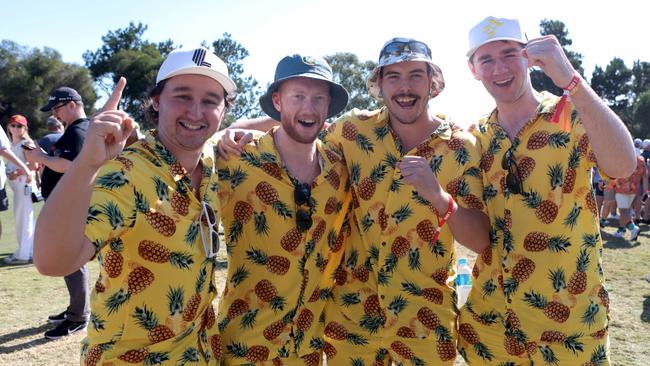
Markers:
point(599, 192)
point(4, 201)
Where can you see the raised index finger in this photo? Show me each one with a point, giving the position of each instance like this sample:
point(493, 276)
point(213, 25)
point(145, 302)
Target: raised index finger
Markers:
point(114, 100)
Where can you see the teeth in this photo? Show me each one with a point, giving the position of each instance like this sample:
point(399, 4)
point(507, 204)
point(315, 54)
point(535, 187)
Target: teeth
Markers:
point(306, 121)
point(405, 100)
point(191, 127)
point(501, 82)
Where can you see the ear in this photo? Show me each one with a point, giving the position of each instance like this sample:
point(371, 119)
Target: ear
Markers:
point(275, 97)
point(155, 103)
point(473, 70)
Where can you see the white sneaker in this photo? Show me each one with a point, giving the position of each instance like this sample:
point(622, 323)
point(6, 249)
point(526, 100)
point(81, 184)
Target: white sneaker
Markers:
point(619, 233)
point(634, 232)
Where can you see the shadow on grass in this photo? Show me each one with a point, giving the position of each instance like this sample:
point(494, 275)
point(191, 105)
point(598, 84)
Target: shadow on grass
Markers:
point(23, 333)
point(645, 315)
point(612, 242)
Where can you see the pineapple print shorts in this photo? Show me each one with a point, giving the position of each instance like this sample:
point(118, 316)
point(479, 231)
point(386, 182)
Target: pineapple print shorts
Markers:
point(490, 349)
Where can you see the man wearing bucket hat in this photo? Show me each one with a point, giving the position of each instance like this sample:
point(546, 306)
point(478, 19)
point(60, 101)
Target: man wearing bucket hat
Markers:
point(538, 297)
point(284, 205)
point(393, 301)
point(149, 214)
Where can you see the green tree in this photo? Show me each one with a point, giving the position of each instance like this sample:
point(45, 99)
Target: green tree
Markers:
point(613, 84)
point(555, 27)
point(640, 78)
point(126, 53)
point(27, 76)
point(352, 74)
point(248, 89)
point(641, 116)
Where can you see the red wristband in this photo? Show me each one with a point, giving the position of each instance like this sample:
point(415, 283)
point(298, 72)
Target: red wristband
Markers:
point(442, 220)
point(572, 88)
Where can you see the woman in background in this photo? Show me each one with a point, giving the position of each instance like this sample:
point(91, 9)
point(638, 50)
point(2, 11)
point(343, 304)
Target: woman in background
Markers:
point(22, 202)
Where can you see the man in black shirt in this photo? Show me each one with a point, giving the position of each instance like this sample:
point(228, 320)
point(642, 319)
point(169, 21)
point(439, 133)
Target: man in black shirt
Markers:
point(66, 106)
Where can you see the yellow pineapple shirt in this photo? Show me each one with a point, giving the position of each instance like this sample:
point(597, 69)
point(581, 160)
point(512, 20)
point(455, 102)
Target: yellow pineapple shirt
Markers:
point(278, 277)
point(152, 301)
point(394, 297)
point(538, 290)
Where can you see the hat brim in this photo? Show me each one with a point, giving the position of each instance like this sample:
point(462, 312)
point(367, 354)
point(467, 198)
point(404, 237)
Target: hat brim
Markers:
point(473, 49)
point(49, 105)
point(338, 96)
point(227, 83)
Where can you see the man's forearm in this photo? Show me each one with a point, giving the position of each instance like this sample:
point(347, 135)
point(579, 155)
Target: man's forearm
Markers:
point(56, 163)
point(60, 246)
point(470, 228)
point(610, 140)
point(260, 124)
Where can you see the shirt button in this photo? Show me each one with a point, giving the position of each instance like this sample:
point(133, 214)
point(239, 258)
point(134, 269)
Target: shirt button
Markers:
point(383, 243)
point(382, 296)
point(506, 270)
point(509, 301)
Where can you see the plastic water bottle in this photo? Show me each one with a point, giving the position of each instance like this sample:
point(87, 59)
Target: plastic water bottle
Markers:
point(463, 280)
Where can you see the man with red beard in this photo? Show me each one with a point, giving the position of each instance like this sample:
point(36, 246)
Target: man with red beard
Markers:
point(416, 188)
point(538, 295)
point(285, 204)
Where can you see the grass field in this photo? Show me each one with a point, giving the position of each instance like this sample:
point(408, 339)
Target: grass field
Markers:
point(27, 298)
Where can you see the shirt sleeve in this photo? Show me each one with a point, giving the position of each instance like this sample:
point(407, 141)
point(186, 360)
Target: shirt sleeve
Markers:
point(4, 140)
point(112, 205)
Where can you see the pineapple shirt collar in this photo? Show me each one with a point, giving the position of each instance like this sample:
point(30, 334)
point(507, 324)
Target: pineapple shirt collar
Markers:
point(266, 145)
point(159, 151)
point(545, 109)
point(443, 131)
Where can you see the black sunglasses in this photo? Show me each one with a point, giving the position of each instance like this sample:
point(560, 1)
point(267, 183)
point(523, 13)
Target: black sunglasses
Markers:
point(513, 179)
point(397, 48)
point(302, 197)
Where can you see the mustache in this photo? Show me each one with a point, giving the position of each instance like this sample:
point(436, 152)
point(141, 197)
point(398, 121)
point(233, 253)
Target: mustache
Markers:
point(406, 95)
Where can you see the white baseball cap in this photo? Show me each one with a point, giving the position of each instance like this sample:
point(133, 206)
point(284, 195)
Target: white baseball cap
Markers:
point(645, 143)
point(493, 29)
point(199, 61)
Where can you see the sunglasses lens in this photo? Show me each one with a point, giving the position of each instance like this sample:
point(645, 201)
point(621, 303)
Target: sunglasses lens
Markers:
point(513, 183)
point(303, 220)
point(301, 194)
point(397, 48)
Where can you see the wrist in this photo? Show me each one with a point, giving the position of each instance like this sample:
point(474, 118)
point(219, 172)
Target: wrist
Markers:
point(573, 85)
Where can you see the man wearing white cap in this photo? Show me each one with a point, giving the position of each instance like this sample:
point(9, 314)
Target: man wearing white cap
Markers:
point(416, 188)
point(149, 215)
point(540, 298)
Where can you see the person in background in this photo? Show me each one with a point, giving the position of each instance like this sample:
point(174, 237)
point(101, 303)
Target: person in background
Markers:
point(55, 130)
point(22, 202)
point(7, 153)
point(638, 146)
point(66, 106)
point(626, 192)
point(538, 295)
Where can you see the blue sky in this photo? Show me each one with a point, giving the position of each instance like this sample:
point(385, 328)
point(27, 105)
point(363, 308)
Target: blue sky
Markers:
point(273, 29)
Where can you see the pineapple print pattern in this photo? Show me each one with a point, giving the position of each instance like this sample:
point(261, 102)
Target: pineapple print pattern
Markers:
point(392, 300)
point(540, 287)
point(282, 277)
point(145, 230)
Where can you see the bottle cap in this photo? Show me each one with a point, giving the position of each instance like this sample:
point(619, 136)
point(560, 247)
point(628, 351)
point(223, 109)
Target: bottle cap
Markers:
point(462, 261)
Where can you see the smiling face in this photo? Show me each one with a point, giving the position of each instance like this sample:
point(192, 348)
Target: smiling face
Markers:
point(405, 87)
point(303, 104)
point(190, 110)
point(502, 69)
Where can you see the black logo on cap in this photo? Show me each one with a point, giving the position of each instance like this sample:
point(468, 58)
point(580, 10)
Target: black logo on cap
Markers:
point(199, 57)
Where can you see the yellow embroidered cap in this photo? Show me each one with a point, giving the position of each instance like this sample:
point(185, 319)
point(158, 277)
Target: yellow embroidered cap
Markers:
point(494, 29)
